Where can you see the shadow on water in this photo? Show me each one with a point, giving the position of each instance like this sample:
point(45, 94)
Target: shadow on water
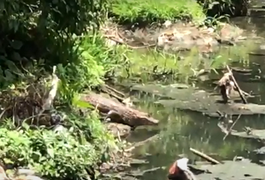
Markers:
point(179, 130)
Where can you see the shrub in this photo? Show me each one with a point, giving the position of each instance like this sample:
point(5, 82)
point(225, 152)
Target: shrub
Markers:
point(44, 29)
point(35, 35)
point(153, 10)
point(70, 154)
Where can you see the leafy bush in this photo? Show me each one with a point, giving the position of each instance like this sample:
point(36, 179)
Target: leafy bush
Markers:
point(94, 61)
point(54, 33)
point(67, 154)
point(44, 29)
point(35, 35)
point(46, 21)
point(216, 8)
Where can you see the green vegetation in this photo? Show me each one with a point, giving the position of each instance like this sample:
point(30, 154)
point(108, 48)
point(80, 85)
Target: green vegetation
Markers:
point(225, 7)
point(148, 64)
point(35, 36)
point(63, 154)
point(38, 35)
point(149, 11)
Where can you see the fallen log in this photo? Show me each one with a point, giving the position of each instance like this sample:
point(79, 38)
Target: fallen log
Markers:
point(118, 112)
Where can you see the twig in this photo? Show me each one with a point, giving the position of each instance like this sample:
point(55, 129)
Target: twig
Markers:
point(151, 170)
point(230, 129)
point(114, 90)
point(247, 94)
point(237, 87)
point(204, 156)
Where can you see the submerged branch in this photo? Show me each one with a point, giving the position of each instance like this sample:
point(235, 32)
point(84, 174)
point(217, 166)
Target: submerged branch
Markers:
point(231, 128)
point(204, 156)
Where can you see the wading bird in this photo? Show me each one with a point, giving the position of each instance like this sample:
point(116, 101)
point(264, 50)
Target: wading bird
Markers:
point(179, 171)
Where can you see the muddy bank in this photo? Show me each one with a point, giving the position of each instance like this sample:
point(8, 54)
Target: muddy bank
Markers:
point(239, 168)
point(190, 98)
point(174, 37)
point(247, 133)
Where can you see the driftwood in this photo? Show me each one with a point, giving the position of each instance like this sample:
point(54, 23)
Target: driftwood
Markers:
point(231, 128)
point(204, 156)
point(248, 133)
point(118, 112)
point(113, 92)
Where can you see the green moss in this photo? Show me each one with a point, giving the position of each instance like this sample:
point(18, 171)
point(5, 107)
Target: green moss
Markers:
point(155, 10)
point(147, 64)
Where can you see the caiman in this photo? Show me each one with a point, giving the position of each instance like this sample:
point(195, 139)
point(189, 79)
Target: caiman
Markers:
point(118, 112)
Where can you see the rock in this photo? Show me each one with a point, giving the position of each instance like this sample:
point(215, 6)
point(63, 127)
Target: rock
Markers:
point(59, 128)
point(260, 150)
point(118, 129)
point(233, 170)
point(3, 174)
point(25, 172)
point(184, 37)
point(110, 43)
point(167, 23)
point(229, 32)
point(32, 177)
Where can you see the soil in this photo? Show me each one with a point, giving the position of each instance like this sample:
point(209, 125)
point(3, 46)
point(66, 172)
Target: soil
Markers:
point(174, 37)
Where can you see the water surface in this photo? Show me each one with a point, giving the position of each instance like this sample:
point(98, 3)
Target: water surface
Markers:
point(180, 130)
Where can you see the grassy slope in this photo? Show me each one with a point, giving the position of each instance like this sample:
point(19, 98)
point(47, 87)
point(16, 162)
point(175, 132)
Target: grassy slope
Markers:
point(153, 10)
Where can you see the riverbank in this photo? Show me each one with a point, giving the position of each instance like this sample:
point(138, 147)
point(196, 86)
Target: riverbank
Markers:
point(69, 140)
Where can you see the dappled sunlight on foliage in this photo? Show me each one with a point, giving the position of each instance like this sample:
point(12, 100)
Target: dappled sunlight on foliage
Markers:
point(150, 11)
point(70, 152)
point(62, 40)
point(62, 154)
point(35, 36)
point(94, 61)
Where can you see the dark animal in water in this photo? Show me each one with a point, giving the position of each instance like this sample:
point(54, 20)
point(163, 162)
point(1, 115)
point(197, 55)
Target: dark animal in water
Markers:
point(226, 85)
point(179, 171)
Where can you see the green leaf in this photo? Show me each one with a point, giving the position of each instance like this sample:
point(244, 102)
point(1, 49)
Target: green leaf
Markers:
point(50, 152)
point(16, 56)
point(12, 67)
point(81, 104)
point(16, 44)
point(9, 76)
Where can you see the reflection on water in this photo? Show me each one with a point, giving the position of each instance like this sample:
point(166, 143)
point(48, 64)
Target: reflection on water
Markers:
point(180, 130)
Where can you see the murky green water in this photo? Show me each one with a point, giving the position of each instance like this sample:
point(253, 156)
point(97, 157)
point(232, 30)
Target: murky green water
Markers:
point(178, 131)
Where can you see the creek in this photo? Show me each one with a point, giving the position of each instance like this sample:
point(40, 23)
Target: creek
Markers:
point(180, 130)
